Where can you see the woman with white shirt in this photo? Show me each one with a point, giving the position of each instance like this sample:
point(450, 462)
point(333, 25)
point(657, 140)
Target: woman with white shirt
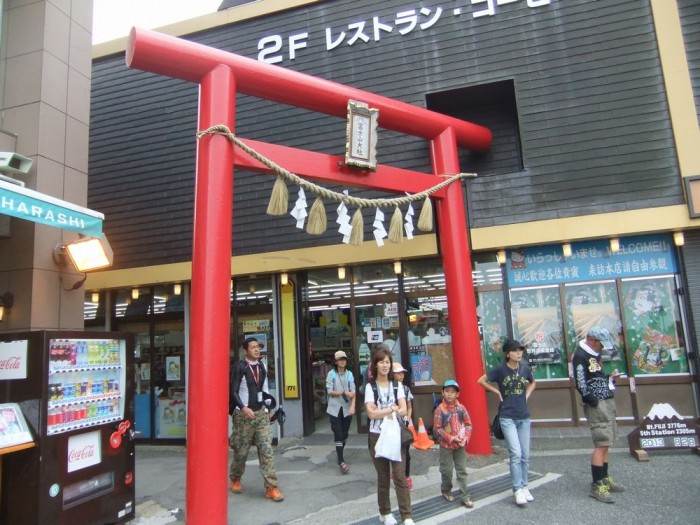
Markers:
point(382, 398)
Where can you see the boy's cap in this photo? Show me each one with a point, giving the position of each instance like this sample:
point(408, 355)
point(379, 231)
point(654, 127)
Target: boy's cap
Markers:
point(452, 383)
point(398, 367)
point(601, 334)
point(512, 344)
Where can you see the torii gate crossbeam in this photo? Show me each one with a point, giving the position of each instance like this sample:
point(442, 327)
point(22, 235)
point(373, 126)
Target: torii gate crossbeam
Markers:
point(220, 76)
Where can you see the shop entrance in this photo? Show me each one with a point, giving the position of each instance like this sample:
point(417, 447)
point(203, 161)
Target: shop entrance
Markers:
point(353, 310)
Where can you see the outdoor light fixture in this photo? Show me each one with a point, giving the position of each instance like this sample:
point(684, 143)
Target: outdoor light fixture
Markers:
point(614, 245)
point(397, 267)
point(177, 288)
point(134, 293)
point(95, 297)
point(284, 278)
point(87, 253)
point(251, 288)
point(678, 238)
point(6, 302)
point(341, 272)
point(566, 249)
point(501, 257)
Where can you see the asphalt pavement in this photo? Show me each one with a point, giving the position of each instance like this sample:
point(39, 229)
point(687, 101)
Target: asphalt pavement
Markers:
point(665, 490)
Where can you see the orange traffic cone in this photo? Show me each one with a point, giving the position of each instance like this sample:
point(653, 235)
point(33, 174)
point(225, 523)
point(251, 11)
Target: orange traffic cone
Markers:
point(412, 429)
point(422, 441)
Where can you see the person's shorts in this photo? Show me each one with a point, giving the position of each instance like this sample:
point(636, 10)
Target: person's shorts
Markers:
point(602, 421)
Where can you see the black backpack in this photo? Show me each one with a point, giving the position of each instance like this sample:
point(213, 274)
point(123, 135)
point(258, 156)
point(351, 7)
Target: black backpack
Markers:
point(373, 385)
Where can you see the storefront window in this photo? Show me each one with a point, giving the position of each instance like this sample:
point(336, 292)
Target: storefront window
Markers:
point(538, 324)
point(595, 304)
point(492, 323)
point(429, 336)
point(653, 326)
point(168, 377)
point(253, 318)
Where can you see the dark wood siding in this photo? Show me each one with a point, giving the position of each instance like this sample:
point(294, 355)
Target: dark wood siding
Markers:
point(689, 11)
point(594, 124)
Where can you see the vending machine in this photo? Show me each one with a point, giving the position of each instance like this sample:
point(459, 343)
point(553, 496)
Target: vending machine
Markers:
point(74, 391)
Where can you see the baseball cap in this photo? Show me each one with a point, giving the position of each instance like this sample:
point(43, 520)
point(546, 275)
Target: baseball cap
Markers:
point(512, 344)
point(398, 367)
point(340, 355)
point(601, 334)
point(452, 383)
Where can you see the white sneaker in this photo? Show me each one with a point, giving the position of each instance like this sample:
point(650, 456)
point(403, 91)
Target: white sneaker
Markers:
point(389, 519)
point(520, 498)
point(527, 494)
point(409, 521)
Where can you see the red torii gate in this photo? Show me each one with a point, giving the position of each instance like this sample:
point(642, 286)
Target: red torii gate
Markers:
point(220, 76)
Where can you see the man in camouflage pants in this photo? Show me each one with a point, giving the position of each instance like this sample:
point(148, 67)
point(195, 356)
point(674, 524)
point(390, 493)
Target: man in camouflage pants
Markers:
point(251, 422)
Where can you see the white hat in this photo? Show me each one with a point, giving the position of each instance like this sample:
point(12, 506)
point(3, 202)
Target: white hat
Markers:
point(398, 367)
point(340, 355)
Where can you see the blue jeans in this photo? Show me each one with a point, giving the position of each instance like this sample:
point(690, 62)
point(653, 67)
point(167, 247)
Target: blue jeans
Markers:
point(517, 434)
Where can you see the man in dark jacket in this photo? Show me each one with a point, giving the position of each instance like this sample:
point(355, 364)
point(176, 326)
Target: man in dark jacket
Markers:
point(251, 422)
point(597, 392)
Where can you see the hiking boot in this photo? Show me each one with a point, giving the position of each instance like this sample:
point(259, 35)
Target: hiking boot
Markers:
point(601, 492)
point(527, 494)
point(274, 494)
point(236, 486)
point(612, 485)
point(409, 481)
point(520, 499)
point(388, 519)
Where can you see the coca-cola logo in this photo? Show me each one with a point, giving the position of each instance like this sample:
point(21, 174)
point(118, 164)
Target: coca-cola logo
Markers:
point(10, 363)
point(87, 451)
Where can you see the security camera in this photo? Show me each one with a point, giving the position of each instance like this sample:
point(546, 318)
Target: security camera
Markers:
point(11, 162)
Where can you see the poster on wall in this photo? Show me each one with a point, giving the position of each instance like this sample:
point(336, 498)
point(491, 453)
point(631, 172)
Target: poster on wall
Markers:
point(262, 339)
point(13, 427)
point(172, 418)
point(586, 316)
point(492, 324)
point(172, 368)
point(654, 327)
point(422, 368)
point(256, 325)
point(540, 332)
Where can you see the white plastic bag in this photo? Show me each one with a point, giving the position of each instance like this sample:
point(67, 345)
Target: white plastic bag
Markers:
point(389, 443)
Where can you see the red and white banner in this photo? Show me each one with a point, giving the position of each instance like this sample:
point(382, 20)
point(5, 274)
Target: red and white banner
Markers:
point(84, 450)
point(13, 360)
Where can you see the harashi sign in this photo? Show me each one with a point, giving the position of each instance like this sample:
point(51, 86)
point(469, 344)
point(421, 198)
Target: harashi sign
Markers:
point(37, 207)
point(271, 49)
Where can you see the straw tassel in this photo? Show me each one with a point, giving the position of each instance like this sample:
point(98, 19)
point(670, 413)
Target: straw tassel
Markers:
point(317, 218)
point(425, 221)
point(358, 228)
point(279, 200)
point(396, 226)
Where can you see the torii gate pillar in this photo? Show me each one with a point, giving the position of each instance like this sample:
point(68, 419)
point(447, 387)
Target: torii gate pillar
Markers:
point(220, 76)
